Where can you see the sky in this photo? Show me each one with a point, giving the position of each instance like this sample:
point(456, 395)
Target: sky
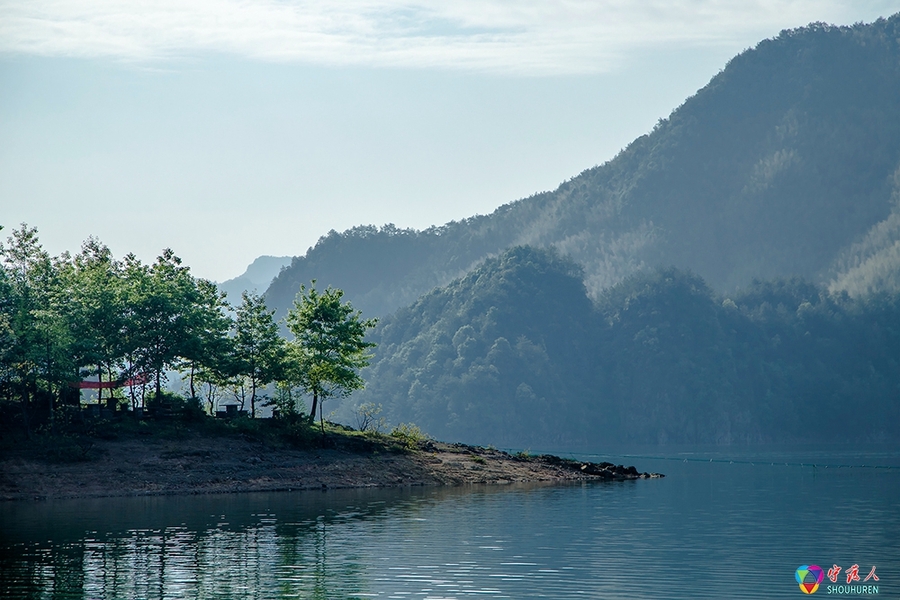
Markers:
point(230, 129)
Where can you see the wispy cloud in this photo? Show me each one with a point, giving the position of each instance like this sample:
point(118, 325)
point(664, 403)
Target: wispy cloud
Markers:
point(527, 37)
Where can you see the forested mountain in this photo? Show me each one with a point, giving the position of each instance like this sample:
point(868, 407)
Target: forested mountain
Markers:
point(516, 354)
point(786, 164)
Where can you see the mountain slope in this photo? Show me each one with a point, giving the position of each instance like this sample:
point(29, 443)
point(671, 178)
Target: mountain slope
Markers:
point(786, 163)
point(491, 352)
point(515, 354)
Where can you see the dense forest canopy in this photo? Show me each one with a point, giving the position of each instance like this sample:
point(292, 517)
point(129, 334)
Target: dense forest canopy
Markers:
point(786, 164)
point(516, 354)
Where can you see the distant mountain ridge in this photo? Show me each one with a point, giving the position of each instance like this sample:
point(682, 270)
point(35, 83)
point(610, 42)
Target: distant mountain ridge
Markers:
point(256, 278)
point(787, 163)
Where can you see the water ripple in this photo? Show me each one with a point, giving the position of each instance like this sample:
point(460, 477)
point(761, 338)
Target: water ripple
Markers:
point(729, 527)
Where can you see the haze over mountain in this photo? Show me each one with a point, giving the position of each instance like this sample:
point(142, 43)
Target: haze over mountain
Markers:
point(256, 278)
point(786, 164)
point(515, 354)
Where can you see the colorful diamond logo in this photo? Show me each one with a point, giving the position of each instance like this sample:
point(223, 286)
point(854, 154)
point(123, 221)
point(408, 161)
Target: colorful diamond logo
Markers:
point(809, 577)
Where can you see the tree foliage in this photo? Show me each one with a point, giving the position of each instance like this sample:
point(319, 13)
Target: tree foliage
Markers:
point(329, 346)
point(90, 315)
point(259, 352)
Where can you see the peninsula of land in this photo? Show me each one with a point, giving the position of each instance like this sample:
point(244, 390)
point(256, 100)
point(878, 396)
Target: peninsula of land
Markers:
point(195, 462)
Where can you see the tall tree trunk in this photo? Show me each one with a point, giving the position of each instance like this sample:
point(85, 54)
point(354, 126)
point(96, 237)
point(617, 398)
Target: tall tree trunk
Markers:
point(25, 400)
point(49, 383)
point(77, 377)
point(312, 413)
point(131, 387)
point(112, 391)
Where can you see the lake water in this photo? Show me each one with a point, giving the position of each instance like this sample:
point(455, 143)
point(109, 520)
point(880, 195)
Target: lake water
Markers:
point(736, 527)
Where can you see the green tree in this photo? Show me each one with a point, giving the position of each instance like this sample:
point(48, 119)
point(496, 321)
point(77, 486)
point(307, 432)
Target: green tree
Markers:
point(135, 287)
point(216, 373)
point(94, 310)
point(329, 346)
point(204, 346)
point(288, 398)
point(259, 350)
point(162, 299)
point(36, 354)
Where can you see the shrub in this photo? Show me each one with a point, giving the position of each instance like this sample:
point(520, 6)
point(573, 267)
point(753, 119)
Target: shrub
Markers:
point(300, 434)
point(367, 418)
point(409, 434)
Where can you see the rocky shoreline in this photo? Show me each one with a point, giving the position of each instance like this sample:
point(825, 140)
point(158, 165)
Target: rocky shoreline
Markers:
point(209, 465)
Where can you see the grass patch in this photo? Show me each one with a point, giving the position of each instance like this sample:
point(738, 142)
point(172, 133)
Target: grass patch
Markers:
point(80, 438)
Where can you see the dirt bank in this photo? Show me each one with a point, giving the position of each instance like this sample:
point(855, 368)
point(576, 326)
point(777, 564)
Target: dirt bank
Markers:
point(202, 465)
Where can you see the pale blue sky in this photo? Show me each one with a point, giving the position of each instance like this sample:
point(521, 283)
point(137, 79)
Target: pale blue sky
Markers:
point(229, 129)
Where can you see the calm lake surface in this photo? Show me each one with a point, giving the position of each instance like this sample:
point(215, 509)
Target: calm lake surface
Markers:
point(709, 530)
